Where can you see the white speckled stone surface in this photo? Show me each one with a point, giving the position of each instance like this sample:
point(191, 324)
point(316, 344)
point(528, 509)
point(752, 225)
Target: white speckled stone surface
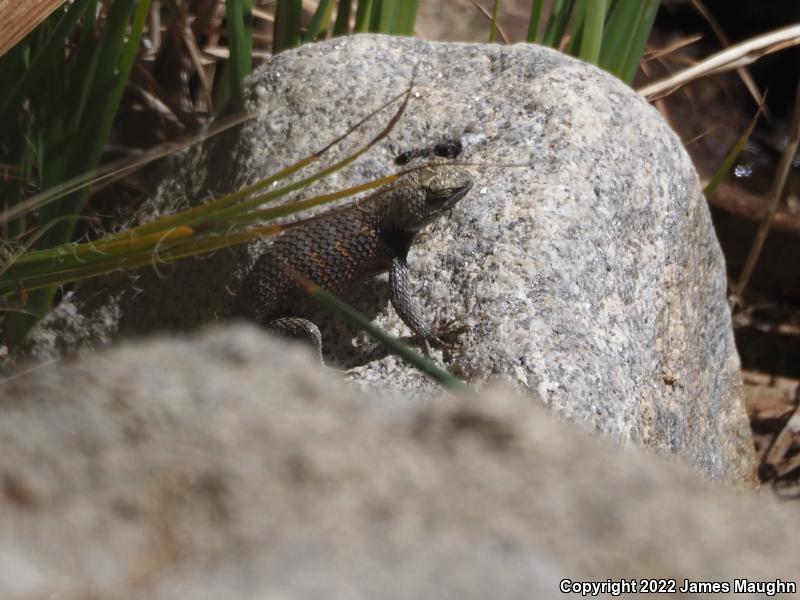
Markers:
point(590, 276)
point(183, 468)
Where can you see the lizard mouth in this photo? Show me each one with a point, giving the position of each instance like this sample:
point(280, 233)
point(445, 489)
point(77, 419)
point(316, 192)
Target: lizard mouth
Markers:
point(447, 197)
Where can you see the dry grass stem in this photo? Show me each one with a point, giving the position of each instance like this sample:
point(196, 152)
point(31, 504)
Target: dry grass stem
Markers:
point(731, 58)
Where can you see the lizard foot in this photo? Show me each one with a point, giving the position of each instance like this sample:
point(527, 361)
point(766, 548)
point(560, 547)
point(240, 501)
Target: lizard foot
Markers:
point(444, 337)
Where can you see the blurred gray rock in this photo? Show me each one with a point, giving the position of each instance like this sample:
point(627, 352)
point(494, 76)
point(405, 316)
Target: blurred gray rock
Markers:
point(227, 465)
point(583, 261)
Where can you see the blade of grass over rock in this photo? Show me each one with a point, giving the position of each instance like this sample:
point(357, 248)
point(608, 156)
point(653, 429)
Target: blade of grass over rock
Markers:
point(533, 23)
point(392, 344)
point(363, 16)
point(732, 155)
point(286, 32)
point(71, 263)
point(298, 205)
point(320, 21)
point(213, 210)
point(139, 253)
point(115, 251)
point(75, 262)
point(245, 206)
point(182, 241)
point(342, 24)
point(136, 247)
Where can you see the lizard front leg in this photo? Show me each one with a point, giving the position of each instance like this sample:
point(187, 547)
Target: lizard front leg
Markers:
point(408, 309)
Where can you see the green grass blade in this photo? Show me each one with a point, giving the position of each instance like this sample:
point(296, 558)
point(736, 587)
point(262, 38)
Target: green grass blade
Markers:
point(342, 24)
point(288, 22)
point(39, 67)
point(320, 21)
point(46, 268)
point(619, 23)
point(533, 23)
point(232, 210)
point(493, 24)
point(71, 262)
point(641, 33)
point(628, 27)
point(60, 265)
point(215, 209)
point(394, 345)
point(247, 212)
point(138, 247)
point(576, 28)
point(116, 168)
point(406, 17)
point(92, 145)
point(592, 30)
point(363, 16)
point(85, 63)
point(557, 23)
point(13, 66)
point(94, 84)
point(375, 16)
point(66, 145)
point(15, 138)
point(384, 16)
point(112, 78)
point(98, 78)
point(240, 40)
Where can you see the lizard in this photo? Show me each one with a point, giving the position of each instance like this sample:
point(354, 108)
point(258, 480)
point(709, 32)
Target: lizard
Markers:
point(344, 247)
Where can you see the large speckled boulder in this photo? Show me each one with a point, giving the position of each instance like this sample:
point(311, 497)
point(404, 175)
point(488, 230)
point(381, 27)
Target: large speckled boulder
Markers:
point(583, 261)
point(185, 468)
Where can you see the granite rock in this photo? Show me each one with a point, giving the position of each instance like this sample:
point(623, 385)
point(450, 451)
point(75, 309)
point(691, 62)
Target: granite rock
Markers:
point(185, 468)
point(584, 261)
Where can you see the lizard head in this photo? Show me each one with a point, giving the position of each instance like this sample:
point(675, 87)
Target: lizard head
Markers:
point(434, 189)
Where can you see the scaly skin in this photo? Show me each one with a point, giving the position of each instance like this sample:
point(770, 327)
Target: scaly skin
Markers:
point(340, 249)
